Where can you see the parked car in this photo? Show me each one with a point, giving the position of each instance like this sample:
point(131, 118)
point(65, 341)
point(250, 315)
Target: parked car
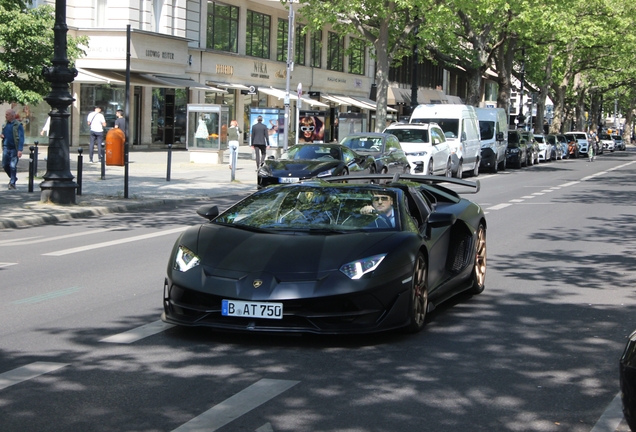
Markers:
point(619, 144)
point(425, 147)
point(627, 376)
point(385, 149)
point(607, 142)
point(517, 151)
point(582, 140)
point(564, 145)
point(461, 127)
point(545, 149)
point(533, 147)
point(305, 161)
point(573, 146)
point(305, 258)
point(493, 125)
point(557, 148)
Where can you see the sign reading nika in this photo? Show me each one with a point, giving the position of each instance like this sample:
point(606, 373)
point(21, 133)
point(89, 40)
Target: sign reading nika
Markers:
point(160, 54)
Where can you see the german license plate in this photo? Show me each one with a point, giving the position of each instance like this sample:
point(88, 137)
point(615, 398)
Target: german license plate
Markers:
point(252, 309)
point(288, 179)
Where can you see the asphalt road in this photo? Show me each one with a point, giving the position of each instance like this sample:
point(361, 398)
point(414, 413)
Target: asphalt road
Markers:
point(82, 347)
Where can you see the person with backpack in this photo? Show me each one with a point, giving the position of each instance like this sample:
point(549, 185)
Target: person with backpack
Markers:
point(12, 145)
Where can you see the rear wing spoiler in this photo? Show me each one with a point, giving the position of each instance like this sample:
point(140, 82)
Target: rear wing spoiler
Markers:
point(396, 178)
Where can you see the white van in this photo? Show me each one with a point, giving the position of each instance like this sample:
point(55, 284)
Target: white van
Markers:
point(459, 123)
point(493, 129)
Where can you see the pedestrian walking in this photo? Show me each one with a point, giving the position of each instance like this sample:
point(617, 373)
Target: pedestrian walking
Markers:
point(97, 123)
point(260, 141)
point(12, 145)
point(120, 121)
point(233, 133)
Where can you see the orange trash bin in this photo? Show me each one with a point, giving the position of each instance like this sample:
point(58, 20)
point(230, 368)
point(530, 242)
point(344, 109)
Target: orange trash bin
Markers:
point(115, 139)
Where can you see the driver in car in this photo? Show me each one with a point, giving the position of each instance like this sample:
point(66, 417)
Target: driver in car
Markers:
point(382, 205)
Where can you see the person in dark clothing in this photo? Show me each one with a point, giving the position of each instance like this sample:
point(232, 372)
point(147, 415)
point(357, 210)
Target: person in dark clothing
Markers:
point(120, 122)
point(12, 145)
point(260, 140)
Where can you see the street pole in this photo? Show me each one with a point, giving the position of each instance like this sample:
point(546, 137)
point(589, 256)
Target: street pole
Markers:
point(58, 186)
point(290, 68)
point(127, 111)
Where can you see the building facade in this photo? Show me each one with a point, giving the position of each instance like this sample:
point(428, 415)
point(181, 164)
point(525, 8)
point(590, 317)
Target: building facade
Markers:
point(227, 53)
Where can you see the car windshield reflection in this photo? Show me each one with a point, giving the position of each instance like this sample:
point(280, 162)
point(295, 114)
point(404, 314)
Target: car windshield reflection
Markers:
point(316, 209)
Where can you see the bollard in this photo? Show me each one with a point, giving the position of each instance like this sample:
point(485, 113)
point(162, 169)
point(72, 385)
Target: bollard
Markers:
point(35, 160)
point(169, 161)
point(31, 165)
point(103, 161)
point(80, 159)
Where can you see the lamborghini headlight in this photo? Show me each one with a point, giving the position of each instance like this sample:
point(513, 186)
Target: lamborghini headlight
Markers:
point(326, 173)
point(356, 269)
point(185, 259)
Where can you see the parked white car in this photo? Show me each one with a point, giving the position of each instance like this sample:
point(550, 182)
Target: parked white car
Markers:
point(425, 146)
point(545, 149)
point(607, 142)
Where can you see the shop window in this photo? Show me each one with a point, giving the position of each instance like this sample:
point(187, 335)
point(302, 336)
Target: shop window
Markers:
point(168, 118)
point(357, 56)
point(281, 43)
point(335, 52)
point(109, 97)
point(316, 49)
point(257, 34)
point(222, 32)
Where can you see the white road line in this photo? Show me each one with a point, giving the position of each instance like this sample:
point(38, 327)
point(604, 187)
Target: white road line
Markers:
point(499, 206)
point(516, 200)
point(6, 264)
point(25, 373)
point(569, 184)
point(547, 190)
point(139, 333)
point(538, 193)
point(611, 418)
point(34, 240)
point(528, 197)
point(114, 242)
point(47, 296)
point(237, 405)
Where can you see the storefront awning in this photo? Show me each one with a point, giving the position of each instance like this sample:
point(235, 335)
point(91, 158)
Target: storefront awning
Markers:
point(359, 102)
point(184, 81)
point(280, 94)
point(396, 96)
point(229, 85)
point(139, 79)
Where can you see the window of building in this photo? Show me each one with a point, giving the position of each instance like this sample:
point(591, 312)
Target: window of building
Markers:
point(316, 49)
point(281, 43)
point(335, 52)
point(168, 118)
point(257, 35)
point(356, 56)
point(223, 22)
point(491, 90)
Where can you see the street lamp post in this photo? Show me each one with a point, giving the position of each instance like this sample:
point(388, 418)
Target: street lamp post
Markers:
point(58, 186)
point(290, 68)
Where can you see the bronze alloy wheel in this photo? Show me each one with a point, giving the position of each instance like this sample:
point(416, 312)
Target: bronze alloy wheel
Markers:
point(479, 271)
point(419, 296)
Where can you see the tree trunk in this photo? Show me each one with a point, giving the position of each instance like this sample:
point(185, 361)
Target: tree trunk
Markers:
point(382, 75)
point(474, 87)
point(504, 57)
point(543, 93)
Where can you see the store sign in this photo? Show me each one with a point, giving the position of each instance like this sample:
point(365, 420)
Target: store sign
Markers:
point(160, 54)
point(224, 70)
point(260, 70)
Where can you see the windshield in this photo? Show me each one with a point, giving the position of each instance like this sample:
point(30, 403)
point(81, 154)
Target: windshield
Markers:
point(605, 137)
point(538, 138)
point(579, 136)
point(415, 135)
point(487, 129)
point(362, 143)
point(449, 126)
point(336, 208)
point(513, 139)
point(311, 152)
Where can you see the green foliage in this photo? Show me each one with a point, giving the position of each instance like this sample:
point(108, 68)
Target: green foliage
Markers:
point(26, 36)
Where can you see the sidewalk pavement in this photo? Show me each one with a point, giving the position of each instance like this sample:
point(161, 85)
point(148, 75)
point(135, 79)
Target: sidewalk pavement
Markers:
point(147, 185)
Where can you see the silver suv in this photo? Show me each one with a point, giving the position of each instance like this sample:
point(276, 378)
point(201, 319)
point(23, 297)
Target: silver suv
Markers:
point(425, 146)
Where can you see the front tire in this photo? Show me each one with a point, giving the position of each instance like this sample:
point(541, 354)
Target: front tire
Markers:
point(419, 296)
point(479, 268)
point(460, 170)
point(429, 170)
point(449, 169)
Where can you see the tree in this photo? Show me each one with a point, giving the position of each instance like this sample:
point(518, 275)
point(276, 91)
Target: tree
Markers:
point(388, 25)
point(26, 36)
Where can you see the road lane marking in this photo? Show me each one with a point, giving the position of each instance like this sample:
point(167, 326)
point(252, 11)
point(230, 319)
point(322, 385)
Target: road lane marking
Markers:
point(237, 405)
point(538, 193)
point(528, 197)
point(569, 184)
point(139, 333)
point(612, 416)
point(25, 373)
point(516, 200)
point(2, 265)
point(47, 296)
point(34, 240)
point(499, 206)
point(115, 242)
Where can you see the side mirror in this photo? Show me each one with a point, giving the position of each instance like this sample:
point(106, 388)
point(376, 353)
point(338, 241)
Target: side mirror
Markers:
point(500, 136)
point(463, 138)
point(439, 220)
point(208, 211)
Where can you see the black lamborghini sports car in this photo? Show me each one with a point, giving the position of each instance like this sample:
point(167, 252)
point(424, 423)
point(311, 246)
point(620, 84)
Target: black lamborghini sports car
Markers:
point(305, 161)
point(329, 257)
point(627, 374)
